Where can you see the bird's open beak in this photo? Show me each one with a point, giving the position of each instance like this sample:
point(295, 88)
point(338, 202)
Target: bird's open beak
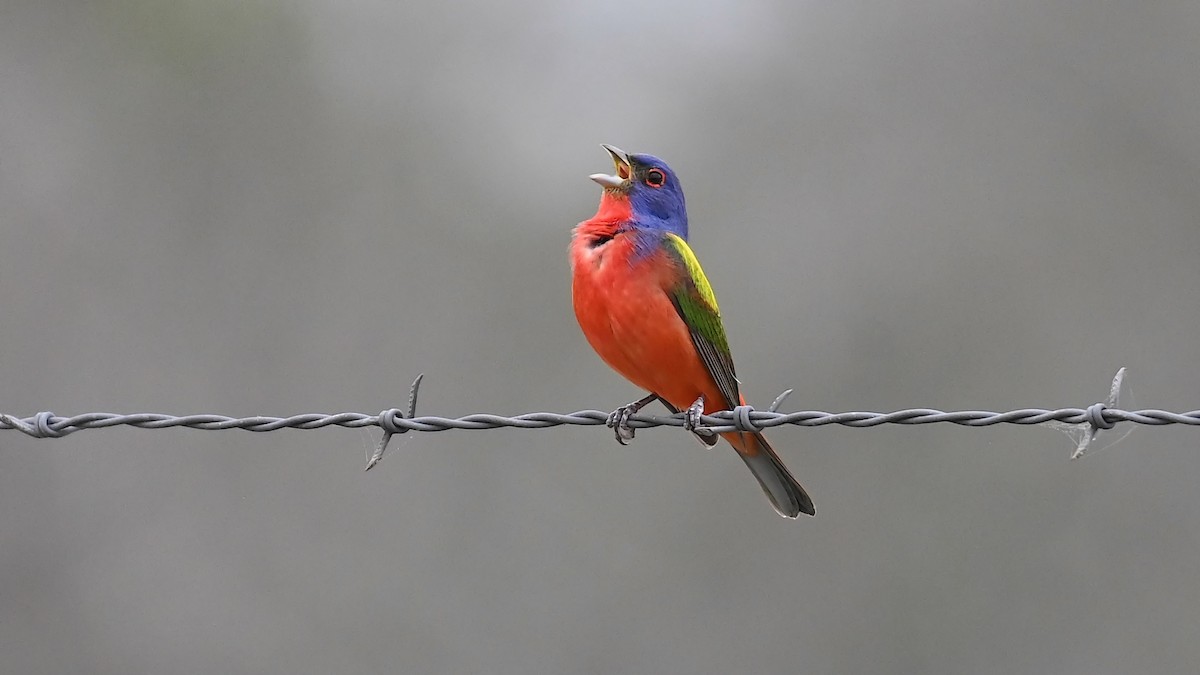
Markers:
point(621, 163)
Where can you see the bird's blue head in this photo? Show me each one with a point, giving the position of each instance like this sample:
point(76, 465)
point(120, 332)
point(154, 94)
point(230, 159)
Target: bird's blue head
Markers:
point(652, 188)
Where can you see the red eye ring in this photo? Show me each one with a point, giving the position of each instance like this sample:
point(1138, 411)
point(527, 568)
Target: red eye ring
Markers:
point(655, 178)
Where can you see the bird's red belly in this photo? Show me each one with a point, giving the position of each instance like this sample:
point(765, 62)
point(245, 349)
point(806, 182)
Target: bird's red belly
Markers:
point(632, 324)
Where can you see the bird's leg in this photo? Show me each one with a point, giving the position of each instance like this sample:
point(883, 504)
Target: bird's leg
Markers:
point(619, 419)
point(691, 418)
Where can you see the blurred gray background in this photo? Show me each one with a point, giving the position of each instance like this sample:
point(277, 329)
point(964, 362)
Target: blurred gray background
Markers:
point(276, 208)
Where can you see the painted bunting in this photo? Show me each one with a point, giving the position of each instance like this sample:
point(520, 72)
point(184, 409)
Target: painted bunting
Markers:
point(647, 309)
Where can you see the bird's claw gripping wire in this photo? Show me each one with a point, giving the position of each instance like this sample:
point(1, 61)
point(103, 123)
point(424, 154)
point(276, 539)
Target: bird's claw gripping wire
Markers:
point(387, 422)
point(618, 421)
point(692, 421)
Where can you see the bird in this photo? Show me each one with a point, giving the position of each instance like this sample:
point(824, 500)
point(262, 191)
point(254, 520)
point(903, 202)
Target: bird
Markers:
point(647, 309)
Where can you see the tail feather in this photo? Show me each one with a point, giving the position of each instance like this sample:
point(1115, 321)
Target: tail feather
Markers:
point(786, 494)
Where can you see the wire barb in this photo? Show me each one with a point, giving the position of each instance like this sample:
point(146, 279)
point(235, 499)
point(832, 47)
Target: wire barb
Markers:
point(1096, 423)
point(780, 399)
point(387, 422)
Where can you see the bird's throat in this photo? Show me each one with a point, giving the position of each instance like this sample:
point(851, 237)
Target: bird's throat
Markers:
point(614, 212)
point(614, 208)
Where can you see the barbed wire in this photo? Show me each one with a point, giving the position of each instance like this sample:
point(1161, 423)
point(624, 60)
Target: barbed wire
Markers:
point(742, 418)
point(1084, 425)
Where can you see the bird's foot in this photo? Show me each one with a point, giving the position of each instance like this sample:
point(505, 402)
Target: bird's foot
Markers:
point(618, 421)
point(691, 419)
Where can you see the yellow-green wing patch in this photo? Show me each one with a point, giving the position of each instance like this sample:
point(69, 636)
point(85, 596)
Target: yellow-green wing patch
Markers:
point(697, 305)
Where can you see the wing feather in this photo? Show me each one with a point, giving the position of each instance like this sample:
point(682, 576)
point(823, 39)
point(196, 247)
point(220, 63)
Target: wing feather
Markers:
point(697, 306)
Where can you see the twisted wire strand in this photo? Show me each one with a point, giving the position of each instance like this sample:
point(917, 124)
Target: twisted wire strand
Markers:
point(1083, 425)
point(50, 425)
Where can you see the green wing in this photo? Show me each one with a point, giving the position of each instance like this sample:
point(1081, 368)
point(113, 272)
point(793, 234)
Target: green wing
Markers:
point(697, 306)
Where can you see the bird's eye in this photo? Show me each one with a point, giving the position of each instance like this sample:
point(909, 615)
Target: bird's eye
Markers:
point(655, 178)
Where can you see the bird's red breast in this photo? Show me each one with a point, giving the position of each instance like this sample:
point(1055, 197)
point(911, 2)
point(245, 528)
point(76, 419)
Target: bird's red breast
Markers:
point(627, 316)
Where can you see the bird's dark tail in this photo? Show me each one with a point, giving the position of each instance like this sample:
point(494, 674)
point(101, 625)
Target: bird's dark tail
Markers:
point(786, 494)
